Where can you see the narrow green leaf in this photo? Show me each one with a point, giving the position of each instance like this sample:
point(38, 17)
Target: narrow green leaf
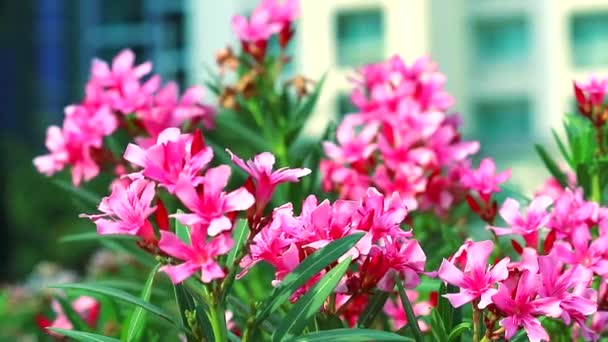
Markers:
point(182, 232)
point(239, 235)
point(129, 286)
point(444, 308)
point(437, 327)
point(583, 178)
point(312, 265)
point(92, 236)
point(459, 330)
point(551, 166)
point(351, 335)
point(309, 104)
point(76, 320)
point(118, 294)
point(562, 147)
point(310, 303)
point(137, 320)
point(412, 322)
point(81, 193)
point(375, 305)
point(84, 336)
point(228, 122)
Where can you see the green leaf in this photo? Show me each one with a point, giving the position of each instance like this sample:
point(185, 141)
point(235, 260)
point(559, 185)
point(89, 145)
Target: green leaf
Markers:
point(182, 232)
point(84, 336)
point(118, 294)
point(137, 320)
point(444, 308)
point(351, 335)
point(310, 303)
point(373, 308)
point(562, 147)
point(312, 265)
point(412, 322)
point(309, 104)
point(129, 286)
point(239, 235)
point(437, 327)
point(458, 330)
point(552, 166)
point(76, 320)
point(583, 178)
point(228, 122)
point(81, 193)
point(92, 236)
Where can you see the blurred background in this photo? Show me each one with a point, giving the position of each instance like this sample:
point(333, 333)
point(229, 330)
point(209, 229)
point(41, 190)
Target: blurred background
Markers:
point(509, 65)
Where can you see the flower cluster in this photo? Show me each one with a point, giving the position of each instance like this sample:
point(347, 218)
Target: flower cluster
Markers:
point(269, 18)
point(552, 279)
point(402, 139)
point(86, 307)
point(117, 97)
point(385, 250)
point(590, 96)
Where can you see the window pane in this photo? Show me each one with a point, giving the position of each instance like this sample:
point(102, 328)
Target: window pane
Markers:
point(589, 36)
point(345, 106)
point(501, 40)
point(503, 124)
point(359, 37)
point(121, 11)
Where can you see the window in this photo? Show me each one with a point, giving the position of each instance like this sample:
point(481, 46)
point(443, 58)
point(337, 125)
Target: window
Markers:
point(359, 37)
point(345, 106)
point(589, 37)
point(501, 40)
point(121, 12)
point(503, 123)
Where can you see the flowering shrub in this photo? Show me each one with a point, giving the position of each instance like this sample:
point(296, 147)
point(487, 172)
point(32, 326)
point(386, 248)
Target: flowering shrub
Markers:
point(250, 249)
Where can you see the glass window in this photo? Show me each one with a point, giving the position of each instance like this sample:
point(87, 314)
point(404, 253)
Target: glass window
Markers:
point(503, 123)
point(121, 11)
point(359, 37)
point(589, 36)
point(501, 40)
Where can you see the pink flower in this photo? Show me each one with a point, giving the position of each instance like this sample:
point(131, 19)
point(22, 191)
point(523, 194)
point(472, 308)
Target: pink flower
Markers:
point(259, 27)
point(396, 314)
point(211, 204)
point(199, 256)
point(484, 180)
point(596, 87)
point(476, 281)
point(590, 254)
point(353, 147)
point(382, 216)
point(121, 82)
point(86, 307)
point(520, 304)
point(174, 157)
point(572, 211)
point(400, 256)
point(126, 210)
point(565, 285)
point(260, 170)
point(526, 225)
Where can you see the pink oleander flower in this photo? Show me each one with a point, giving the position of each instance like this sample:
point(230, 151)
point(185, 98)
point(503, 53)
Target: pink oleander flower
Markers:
point(527, 225)
point(572, 211)
point(476, 280)
point(400, 256)
point(259, 27)
point(382, 216)
point(121, 81)
point(571, 287)
point(198, 256)
point(521, 305)
point(175, 157)
point(126, 210)
point(485, 180)
point(168, 110)
point(396, 314)
point(352, 146)
point(260, 170)
point(86, 307)
point(584, 251)
point(210, 205)
point(353, 310)
point(596, 87)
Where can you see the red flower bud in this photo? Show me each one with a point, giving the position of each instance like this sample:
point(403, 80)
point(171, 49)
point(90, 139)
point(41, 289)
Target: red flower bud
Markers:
point(549, 241)
point(162, 218)
point(198, 142)
point(517, 247)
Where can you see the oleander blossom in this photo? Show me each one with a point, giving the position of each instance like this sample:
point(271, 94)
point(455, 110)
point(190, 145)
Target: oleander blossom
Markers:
point(118, 97)
point(199, 256)
point(402, 138)
point(527, 225)
point(87, 308)
point(260, 171)
point(288, 239)
point(126, 210)
point(175, 157)
point(476, 280)
point(393, 308)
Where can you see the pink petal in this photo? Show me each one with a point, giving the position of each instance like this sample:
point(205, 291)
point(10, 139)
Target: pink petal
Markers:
point(459, 299)
point(451, 274)
point(237, 200)
point(179, 273)
point(219, 225)
point(123, 61)
point(510, 211)
point(173, 246)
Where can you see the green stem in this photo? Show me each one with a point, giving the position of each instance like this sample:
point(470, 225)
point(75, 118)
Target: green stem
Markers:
point(476, 321)
point(596, 189)
point(217, 318)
